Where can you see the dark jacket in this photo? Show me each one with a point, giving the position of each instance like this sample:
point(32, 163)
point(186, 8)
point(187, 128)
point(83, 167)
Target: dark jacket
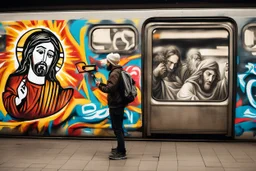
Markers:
point(114, 88)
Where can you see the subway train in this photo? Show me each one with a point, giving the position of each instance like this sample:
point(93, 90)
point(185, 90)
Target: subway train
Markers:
point(194, 71)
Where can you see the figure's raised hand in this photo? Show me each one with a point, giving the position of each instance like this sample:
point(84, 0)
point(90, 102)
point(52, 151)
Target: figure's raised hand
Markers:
point(22, 92)
point(160, 70)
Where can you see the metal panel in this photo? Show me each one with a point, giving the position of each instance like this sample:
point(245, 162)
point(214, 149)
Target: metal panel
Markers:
point(177, 116)
point(189, 119)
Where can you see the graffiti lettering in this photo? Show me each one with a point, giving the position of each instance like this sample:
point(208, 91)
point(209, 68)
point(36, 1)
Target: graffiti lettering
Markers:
point(249, 114)
point(249, 86)
point(245, 113)
point(91, 113)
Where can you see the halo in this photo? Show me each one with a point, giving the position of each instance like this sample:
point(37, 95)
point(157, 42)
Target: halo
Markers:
point(23, 38)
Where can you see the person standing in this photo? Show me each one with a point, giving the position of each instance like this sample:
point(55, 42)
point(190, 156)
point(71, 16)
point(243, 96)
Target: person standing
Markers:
point(116, 103)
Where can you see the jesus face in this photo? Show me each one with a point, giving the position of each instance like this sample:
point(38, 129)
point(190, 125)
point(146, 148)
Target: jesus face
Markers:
point(208, 78)
point(42, 58)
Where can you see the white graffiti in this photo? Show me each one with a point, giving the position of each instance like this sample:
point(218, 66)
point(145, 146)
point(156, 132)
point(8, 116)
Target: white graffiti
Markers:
point(249, 86)
point(91, 113)
point(241, 78)
point(251, 68)
point(129, 116)
point(249, 114)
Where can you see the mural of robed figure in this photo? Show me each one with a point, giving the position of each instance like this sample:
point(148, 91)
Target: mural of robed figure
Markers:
point(205, 83)
point(193, 59)
point(165, 82)
point(33, 91)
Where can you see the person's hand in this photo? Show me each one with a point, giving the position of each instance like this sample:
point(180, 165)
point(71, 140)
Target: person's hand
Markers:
point(97, 83)
point(22, 92)
point(160, 70)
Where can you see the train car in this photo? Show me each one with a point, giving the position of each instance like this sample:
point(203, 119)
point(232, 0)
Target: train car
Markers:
point(194, 70)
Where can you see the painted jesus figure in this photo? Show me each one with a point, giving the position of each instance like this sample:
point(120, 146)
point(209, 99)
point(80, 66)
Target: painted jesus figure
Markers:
point(33, 91)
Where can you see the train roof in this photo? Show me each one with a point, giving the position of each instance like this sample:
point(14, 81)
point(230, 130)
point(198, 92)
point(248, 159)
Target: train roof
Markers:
point(49, 5)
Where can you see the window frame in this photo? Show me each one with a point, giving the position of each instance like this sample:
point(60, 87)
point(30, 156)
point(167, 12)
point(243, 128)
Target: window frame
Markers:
point(117, 26)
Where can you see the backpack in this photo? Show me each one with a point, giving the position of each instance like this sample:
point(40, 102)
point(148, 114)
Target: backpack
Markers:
point(130, 90)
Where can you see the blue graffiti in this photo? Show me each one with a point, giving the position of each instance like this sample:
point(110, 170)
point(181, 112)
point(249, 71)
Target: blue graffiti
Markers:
point(241, 77)
point(247, 87)
point(92, 113)
point(95, 112)
point(5, 118)
point(246, 114)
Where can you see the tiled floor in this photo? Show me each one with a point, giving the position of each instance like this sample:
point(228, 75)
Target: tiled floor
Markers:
point(87, 155)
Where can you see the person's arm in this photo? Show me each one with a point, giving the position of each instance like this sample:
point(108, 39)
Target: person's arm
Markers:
point(112, 83)
point(157, 87)
point(14, 95)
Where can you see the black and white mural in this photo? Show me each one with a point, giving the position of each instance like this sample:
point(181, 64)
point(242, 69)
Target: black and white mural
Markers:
point(190, 64)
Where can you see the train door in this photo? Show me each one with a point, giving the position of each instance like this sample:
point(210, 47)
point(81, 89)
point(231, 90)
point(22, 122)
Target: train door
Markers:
point(188, 76)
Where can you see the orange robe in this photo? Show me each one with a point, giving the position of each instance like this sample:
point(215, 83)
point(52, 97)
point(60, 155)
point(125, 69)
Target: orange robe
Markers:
point(41, 100)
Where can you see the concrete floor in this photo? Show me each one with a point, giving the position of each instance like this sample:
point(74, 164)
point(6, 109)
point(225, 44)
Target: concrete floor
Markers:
point(78, 155)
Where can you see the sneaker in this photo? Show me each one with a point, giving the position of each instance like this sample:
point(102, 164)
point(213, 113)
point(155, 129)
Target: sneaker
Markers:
point(113, 150)
point(117, 156)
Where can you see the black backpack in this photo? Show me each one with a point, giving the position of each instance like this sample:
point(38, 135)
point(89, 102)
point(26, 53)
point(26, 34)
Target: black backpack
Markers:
point(130, 90)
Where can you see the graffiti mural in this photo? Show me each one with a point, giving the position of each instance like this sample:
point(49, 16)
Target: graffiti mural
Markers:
point(47, 76)
point(245, 120)
point(190, 64)
point(33, 91)
point(246, 104)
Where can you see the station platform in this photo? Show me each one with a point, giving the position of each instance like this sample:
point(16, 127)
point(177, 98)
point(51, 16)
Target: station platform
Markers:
point(23, 154)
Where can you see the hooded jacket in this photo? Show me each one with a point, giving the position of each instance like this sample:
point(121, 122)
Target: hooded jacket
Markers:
point(114, 88)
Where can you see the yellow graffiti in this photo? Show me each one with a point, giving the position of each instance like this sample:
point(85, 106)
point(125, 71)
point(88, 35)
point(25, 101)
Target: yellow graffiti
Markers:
point(124, 61)
point(73, 52)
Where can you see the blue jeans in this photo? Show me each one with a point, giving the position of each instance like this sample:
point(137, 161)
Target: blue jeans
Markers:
point(117, 117)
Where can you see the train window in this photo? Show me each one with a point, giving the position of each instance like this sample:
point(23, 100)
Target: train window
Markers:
point(114, 38)
point(249, 37)
point(190, 62)
point(2, 40)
